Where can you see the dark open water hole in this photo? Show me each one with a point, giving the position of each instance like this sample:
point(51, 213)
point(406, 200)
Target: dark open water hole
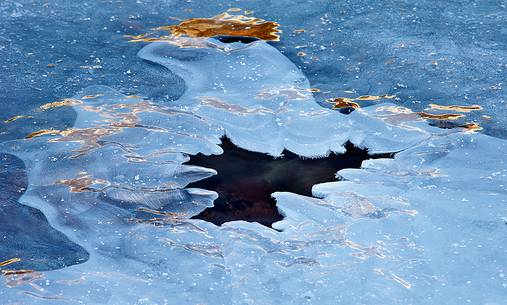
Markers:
point(246, 180)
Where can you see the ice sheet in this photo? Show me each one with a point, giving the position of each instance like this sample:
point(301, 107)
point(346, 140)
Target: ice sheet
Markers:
point(425, 227)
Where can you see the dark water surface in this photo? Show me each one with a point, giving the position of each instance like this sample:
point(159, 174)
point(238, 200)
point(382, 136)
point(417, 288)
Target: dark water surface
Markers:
point(246, 180)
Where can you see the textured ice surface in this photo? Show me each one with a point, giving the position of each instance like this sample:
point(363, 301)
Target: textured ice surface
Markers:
point(262, 101)
point(423, 52)
point(427, 227)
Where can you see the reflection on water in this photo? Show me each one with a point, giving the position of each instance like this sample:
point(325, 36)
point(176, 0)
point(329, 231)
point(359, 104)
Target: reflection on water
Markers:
point(220, 25)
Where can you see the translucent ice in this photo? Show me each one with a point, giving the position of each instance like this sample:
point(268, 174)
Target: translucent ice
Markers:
point(264, 103)
point(425, 227)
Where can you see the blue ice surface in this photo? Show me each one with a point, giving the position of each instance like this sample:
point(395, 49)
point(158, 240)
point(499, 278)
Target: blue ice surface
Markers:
point(427, 227)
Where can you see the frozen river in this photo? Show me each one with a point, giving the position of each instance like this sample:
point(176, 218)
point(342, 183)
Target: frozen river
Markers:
point(253, 152)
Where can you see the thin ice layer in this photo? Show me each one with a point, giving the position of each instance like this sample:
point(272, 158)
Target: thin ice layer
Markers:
point(24, 231)
point(264, 102)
